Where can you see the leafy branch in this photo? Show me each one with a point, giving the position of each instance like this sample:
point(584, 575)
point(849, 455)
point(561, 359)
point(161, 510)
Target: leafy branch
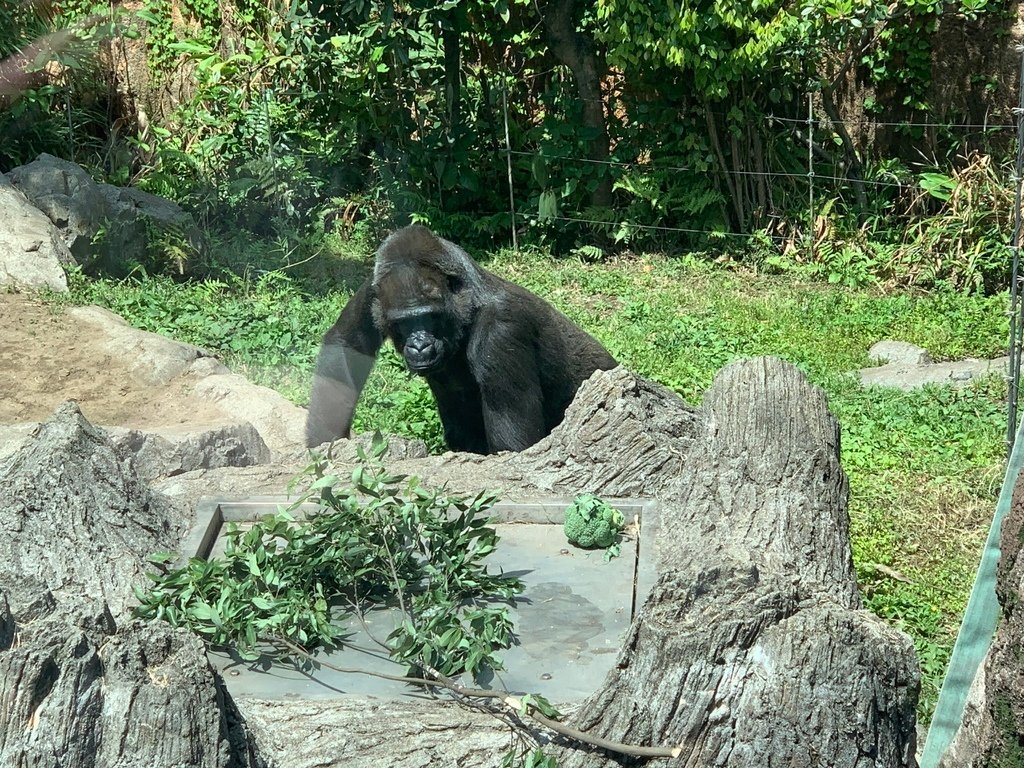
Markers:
point(384, 540)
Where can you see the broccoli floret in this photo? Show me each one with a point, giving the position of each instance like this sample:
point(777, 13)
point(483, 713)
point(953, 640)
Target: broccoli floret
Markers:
point(590, 522)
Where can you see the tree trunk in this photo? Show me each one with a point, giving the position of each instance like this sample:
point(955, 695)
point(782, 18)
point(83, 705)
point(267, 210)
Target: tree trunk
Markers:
point(854, 166)
point(452, 72)
point(576, 51)
point(752, 649)
point(81, 684)
point(739, 222)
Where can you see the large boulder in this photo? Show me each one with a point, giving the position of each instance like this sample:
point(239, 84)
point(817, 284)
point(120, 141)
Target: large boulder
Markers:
point(75, 517)
point(32, 253)
point(106, 228)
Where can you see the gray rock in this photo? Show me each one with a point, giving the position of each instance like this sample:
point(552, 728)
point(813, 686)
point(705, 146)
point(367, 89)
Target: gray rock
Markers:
point(958, 373)
point(155, 359)
point(281, 423)
point(32, 254)
point(622, 436)
point(83, 685)
point(75, 517)
point(753, 648)
point(12, 436)
point(168, 452)
point(135, 218)
point(66, 193)
point(900, 352)
point(80, 693)
point(105, 227)
point(207, 366)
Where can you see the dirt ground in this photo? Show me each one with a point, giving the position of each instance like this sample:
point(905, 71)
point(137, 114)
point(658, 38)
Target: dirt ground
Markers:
point(48, 356)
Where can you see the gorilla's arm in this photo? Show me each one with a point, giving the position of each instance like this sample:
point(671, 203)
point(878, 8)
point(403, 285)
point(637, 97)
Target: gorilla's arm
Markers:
point(347, 355)
point(504, 363)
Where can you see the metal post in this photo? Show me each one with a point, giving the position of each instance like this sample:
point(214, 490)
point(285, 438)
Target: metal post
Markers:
point(810, 177)
point(71, 122)
point(1016, 307)
point(508, 159)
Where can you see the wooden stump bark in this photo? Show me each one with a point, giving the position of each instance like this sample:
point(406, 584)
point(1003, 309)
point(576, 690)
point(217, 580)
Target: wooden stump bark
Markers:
point(622, 436)
point(81, 684)
point(752, 649)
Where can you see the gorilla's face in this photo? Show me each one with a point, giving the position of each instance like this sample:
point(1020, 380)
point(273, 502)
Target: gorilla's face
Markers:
point(414, 305)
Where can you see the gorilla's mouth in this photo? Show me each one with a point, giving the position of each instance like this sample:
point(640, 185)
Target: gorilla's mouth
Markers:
point(422, 366)
point(424, 362)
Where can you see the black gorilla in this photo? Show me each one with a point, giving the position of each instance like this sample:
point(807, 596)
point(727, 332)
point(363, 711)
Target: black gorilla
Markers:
point(503, 364)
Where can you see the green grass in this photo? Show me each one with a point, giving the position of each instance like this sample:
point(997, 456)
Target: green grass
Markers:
point(924, 466)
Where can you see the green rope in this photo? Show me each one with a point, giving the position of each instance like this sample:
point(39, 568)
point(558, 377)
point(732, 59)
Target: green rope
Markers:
point(978, 626)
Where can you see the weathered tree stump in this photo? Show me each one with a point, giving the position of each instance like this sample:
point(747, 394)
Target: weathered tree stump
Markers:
point(81, 685)
point(752, 649)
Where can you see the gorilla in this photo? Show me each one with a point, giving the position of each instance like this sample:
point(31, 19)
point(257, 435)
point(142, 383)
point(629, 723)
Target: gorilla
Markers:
point(502, 363)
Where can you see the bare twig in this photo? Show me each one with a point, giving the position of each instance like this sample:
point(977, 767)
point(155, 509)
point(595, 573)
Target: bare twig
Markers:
point(514, 703)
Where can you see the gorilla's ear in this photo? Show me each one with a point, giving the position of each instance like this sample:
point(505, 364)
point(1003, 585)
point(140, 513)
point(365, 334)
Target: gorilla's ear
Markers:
point(347, 355)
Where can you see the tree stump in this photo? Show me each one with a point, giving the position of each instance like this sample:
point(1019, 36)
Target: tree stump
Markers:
point(81, 684)
point(752, 649)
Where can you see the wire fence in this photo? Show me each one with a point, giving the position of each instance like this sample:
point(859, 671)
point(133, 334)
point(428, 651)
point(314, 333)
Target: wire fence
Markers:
point(819, 183)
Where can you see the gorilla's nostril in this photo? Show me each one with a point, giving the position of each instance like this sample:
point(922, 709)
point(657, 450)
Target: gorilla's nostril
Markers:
point(420, 348)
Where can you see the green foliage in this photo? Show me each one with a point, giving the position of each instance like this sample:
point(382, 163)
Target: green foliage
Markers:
point(924, 467)
point(591, 522)
point(383, 540)
point(50, 91)
point(952, 232)
point(287, 106)
point(960, 237)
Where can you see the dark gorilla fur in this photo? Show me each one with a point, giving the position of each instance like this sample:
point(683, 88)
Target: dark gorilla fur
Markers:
point(503, 364)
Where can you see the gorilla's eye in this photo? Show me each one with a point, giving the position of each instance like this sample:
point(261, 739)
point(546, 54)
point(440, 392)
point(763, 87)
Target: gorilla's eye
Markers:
point(455, 283)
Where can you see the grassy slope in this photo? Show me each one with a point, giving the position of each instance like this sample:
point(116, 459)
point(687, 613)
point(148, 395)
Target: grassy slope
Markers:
point(924, 466)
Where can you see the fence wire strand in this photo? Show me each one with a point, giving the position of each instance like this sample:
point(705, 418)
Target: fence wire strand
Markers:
point(688, 169)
